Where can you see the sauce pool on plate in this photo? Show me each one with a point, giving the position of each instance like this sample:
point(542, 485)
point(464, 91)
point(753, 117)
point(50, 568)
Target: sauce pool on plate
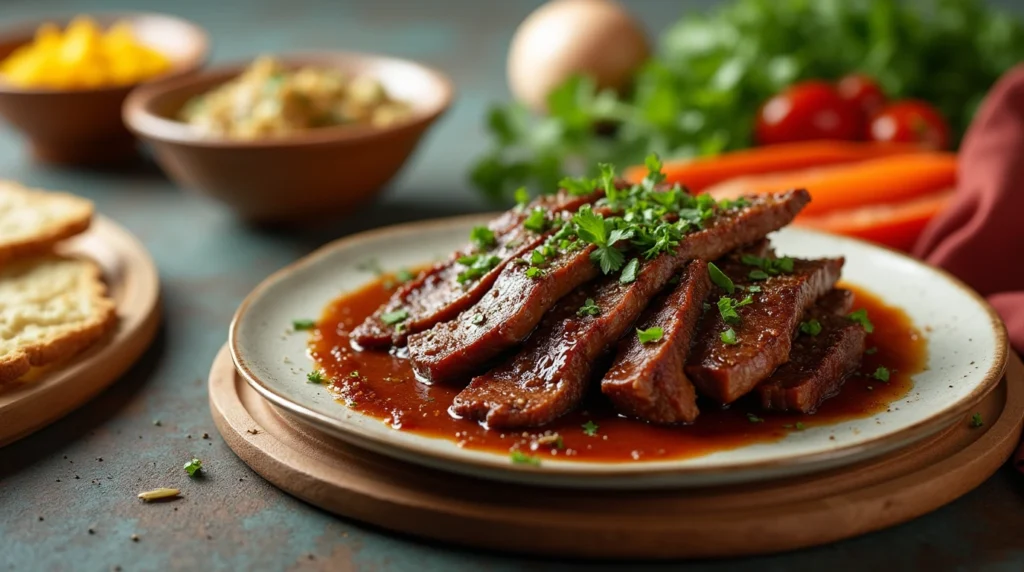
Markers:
point(382, 385)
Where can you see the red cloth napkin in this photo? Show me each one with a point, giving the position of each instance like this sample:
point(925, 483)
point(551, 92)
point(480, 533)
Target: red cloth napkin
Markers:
point(980, 236)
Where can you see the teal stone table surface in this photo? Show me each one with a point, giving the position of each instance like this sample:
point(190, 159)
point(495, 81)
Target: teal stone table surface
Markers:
point(67, 493)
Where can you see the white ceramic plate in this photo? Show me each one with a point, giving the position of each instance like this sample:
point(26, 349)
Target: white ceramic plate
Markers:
point(966, 357)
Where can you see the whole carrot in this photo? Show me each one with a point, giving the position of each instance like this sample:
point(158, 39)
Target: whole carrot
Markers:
point(701, 173)
point(878, 181)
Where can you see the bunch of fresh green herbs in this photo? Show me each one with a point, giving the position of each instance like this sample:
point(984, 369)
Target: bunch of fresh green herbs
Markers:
point(700, 95)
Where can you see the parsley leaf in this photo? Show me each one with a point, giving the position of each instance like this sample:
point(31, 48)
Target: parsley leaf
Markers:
point(403, 275)
point(315, 376)
point(193, 467)
point(590, 428)
point(720, 279)
point(650, 335)
point(520, 458)
point(757, 275)
point(754, 418)
point(476, 265)
point(728, 337)
point(536, 221)
point(395, 317)
point(578, 187)
point(300, 325)
point(629, 271)
point(477, 319)
point(811, 327)
point(609, 258)
point(881, 374)
point(521, 196)
point(976, 420)
point(727, 308)
point(861, 317)
point(589, 308)
point(482, 237)
point(590, 226)
point(870, 351)
point(534, 272)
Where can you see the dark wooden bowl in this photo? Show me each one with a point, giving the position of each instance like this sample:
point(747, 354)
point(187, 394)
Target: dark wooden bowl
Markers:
point(318, 173)
point(84, 126)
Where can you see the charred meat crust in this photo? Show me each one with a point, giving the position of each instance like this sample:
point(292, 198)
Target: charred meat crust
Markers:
point(647, 380)
point(437, 295)
point(818, 365)
point(516, 304)
point(765, 332)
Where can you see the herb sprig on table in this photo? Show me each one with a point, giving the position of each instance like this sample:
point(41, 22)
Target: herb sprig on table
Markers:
point(700, 94)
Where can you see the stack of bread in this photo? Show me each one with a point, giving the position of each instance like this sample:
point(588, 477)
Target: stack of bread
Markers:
point(52, 305)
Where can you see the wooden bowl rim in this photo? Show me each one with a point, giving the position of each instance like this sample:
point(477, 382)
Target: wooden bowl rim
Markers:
point(142, 119)
point(23, 30)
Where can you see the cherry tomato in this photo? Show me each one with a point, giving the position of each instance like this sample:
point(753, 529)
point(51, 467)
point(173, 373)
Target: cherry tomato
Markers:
point(806, 111)
point(910, 121)
point(862, 91)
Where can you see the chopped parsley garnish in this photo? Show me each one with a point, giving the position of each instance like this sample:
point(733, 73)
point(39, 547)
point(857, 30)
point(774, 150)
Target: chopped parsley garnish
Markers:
point(396, 317)
point(300, 325)
point(755, 288)
point(194, 466)
point(482, 237)
point(799, 426)
point(727, 308)
point(354, 374)
point(522, 196)
point(767, 266)
point(734, 203)
point(871, 351)
point(754, 418)
point(595, 229)
point(590, 428)
point(477, 319)
point(534, 272)
point(315, 376)
point(728, 337)
point(521, 458)
point(589, 308)
point(810, 327)
point(650, 335)
point(720, 279)
point(976, 420)
point(861, 317)
point(404, 275)
point(536, 221)
point(881, 374)
point(578, 186)
point(476, 266)
point(629, 271)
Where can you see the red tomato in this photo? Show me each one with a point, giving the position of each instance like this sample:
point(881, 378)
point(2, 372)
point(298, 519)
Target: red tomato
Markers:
point(806, 111)
point(910, 121)
point(863, 92)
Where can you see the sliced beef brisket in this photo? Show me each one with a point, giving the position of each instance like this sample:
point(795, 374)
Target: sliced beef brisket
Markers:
point(516, 303)
point(647, 380)
point(725, 367)
point(818, 364)
point(441, 292)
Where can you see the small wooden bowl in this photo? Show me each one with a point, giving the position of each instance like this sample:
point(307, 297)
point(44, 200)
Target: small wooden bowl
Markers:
point(319, 173)
point(84, 126)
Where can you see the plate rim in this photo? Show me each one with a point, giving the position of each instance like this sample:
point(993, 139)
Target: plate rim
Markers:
point(588, 470)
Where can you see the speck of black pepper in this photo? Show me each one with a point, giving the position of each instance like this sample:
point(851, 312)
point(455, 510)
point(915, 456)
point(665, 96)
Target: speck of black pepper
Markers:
point(311, 557)
point(58, 480)
point(175, 509)
point(206, 435)
point(100, 459)
point(40, 519)
point(188, 436)
point(208, 537)
point(76, 477)
point(135, 538)
point(91, 531)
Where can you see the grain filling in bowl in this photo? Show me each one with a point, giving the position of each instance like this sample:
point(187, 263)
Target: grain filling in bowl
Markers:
point(268, 100)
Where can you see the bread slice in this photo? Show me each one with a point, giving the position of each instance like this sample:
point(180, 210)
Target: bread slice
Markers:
point(51, 308)
point(32, 221)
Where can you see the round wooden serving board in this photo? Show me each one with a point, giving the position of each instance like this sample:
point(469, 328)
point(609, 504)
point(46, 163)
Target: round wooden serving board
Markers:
point(693, 523)
point(46, 394)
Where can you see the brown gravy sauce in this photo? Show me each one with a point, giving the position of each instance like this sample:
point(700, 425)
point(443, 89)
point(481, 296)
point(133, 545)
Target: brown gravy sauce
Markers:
point(382, 385)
